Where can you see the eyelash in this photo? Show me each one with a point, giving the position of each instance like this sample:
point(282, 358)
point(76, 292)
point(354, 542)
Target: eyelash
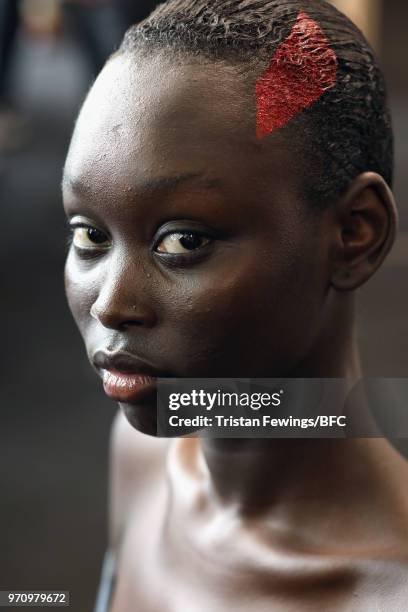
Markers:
point(85, 253)
point(172, 259)
point(182, 258)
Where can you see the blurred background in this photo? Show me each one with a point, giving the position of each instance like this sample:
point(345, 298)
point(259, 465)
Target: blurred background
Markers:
point(55, 420)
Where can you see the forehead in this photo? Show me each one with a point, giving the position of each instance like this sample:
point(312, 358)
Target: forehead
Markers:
point(155, 117)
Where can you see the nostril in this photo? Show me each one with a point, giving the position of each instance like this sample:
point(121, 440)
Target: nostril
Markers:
point(133, 323)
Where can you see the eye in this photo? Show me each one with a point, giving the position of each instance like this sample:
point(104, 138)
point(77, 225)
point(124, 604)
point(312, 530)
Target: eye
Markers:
point(178, 243)
point(87, 237)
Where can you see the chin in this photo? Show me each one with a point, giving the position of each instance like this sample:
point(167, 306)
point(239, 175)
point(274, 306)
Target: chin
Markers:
point(143, 417)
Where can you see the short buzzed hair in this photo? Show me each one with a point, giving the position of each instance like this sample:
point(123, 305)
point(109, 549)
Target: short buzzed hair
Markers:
point(347, 131)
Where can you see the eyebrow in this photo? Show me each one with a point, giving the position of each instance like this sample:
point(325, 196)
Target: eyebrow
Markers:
point(165, 183)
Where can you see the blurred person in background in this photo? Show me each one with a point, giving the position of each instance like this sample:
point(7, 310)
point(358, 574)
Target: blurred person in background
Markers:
point(11, 128)
point(98, 26)
point(367, 15)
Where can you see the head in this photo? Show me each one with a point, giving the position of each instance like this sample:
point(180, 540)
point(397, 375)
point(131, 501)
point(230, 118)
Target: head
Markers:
point(228, 193)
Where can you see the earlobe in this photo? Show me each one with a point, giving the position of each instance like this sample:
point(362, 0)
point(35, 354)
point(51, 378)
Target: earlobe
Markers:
point(367, 221)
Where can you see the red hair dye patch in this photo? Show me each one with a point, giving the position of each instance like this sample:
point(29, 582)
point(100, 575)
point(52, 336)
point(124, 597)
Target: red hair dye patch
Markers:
point(301, 70)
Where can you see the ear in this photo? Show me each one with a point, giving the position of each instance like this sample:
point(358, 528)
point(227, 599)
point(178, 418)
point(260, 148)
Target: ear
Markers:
point(367, 222)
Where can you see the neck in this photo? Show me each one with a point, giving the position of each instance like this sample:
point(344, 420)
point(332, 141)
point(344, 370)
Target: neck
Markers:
point(240, 468)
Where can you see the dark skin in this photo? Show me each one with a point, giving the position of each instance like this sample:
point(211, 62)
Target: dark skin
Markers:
point(164, 146)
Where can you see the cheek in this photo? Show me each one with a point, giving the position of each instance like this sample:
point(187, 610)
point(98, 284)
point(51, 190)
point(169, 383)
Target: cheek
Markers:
point(247, 319)
point(80, 293)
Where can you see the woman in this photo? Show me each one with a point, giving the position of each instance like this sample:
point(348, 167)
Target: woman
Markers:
point(228, 190)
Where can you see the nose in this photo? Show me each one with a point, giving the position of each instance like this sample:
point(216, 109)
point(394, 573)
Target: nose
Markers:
point(123, 299)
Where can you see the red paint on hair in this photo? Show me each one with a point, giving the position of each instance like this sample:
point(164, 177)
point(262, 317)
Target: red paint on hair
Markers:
point(302, 68)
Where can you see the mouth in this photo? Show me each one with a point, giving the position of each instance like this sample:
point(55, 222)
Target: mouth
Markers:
point(126, 379)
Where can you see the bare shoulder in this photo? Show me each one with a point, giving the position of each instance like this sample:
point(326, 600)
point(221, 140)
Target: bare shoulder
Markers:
point(136, 462)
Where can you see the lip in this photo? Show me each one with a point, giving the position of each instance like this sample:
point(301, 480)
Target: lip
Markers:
point(126, 378)
point(127, 388)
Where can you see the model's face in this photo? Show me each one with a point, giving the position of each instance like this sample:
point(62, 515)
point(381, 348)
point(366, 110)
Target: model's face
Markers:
point(192, 249)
